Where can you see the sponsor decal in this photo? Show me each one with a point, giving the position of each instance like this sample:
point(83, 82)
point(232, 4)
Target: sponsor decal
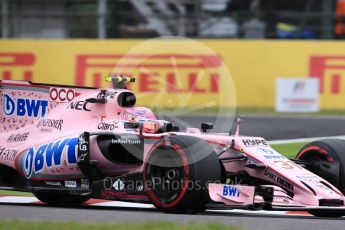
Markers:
point(61, 94)
point(113, 195)
point(50, 123)
point(270, 175)
point(278, 179)
point(91, 66)
point(79, 105)
point(107, 94)
point(24, 107)
point(125, 141)
point(140, 188)
point(119, 184)
point(284, 183)
point(45, 130)
point(82, 146)
point(230, 191)
point(106, 126)
point(84, 183)
point(283, 200)
point(270, 154)
point(70, 184)
point(254, 142)
point(309, 177)
point(8, 154)
point(130, 125)
point(18, 137)
point(286, 164)
point(297, 95)
point(299, 87)
point(50, 155)
point(53, 183)
point(140, 112)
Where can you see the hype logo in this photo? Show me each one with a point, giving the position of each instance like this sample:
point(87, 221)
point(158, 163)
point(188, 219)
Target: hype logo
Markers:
point(24, 107)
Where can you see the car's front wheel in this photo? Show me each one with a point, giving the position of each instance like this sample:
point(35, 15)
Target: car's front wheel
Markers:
point(176, 174)
point(327, 154)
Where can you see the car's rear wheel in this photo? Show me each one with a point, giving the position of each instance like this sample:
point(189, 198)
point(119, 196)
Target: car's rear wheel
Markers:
point(328, 151)
point(176, 174)
point(60, 199)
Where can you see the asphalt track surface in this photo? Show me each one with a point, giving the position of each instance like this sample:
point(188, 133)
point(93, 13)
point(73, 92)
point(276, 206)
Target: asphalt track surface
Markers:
point(270, 127)
point(91, 214)
point(273, 127)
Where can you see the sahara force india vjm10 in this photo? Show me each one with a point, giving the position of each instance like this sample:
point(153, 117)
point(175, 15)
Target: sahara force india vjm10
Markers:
point(67, 144)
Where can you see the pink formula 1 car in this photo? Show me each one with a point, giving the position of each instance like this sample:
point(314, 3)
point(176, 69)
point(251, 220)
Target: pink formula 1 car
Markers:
point(68, 144)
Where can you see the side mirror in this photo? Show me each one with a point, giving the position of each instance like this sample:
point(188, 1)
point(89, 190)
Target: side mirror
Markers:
point(168, 127)
point(96, 100)
point(206, 126)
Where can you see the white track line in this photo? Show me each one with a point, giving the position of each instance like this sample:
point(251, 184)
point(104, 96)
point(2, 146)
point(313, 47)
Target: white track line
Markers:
point(18, 199)
point(260, 212)
point(295, 116)
point(122, 204)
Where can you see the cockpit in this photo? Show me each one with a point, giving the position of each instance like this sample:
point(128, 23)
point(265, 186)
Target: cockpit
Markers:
point(132, 118)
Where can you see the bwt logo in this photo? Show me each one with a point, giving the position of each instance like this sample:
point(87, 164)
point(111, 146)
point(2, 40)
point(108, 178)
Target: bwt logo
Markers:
point(11, 62)
point(91, 67)
point(230, 191)
point(23, 107)
point(50, 155)
point(329, 70)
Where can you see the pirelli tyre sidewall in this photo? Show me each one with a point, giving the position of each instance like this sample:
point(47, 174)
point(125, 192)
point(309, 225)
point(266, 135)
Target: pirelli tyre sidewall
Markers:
point(332, 150)
point(60, 198)
point(175, 159)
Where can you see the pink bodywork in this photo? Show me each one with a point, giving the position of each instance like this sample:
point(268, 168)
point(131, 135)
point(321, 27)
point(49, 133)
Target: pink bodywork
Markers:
point(279, 170)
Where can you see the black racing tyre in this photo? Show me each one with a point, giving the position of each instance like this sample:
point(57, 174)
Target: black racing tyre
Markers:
point(60, 199)
point(331, 150)
point(177, 172)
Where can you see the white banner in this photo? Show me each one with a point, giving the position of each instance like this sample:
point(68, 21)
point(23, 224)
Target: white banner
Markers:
point(297, 95)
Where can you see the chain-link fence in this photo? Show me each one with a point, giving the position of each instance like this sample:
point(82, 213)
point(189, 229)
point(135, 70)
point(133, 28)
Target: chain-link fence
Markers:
point(302, 19)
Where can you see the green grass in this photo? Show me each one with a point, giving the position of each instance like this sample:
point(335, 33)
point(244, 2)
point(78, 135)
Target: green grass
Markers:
point(14, 193)
point(149, 225)
point(289, 150)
